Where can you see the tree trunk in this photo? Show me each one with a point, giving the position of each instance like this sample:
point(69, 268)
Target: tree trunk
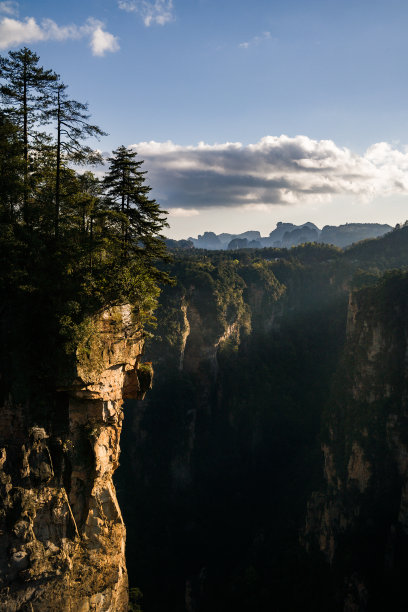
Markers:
point(25, 145)
point(58, 169)
point(91, 243)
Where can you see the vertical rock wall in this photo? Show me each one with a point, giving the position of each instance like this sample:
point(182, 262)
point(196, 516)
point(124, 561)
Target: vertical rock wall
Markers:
point(62, 537)
point(359, 521)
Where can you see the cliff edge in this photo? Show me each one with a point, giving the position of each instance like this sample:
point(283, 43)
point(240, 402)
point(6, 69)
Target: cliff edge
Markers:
point(359, 521)
point(62, 537)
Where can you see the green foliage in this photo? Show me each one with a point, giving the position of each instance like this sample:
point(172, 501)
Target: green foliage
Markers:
point(388, 251)
point(139, 216)
point(62, 255)
point(365, 278)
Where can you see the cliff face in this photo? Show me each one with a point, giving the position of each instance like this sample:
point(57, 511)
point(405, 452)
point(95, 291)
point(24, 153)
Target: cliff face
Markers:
point(211, 307)
point(62, 534)
point(223, 452)
point(213, 314)
point(359, 520)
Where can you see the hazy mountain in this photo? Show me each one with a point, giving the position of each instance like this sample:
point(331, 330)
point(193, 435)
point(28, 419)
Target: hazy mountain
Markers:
point(212, 241)
point(288, 234)
point(344, 235)
point(179, 244)
point(244, 243)
point(300, 235)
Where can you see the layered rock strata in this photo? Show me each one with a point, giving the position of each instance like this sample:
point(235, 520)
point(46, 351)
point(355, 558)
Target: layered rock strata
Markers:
point(62, 538)
point(359, 521)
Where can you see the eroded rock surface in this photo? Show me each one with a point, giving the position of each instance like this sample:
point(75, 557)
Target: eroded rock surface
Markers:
point(359, 521)
point(62, 544)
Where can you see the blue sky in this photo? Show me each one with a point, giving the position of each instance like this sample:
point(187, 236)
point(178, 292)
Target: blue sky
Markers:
point(179, 72)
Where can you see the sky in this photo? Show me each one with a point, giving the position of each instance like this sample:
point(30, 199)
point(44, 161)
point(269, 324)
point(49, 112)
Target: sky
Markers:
point(246, 113)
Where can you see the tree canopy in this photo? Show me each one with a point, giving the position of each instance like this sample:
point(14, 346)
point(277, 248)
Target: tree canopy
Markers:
point(76, 240)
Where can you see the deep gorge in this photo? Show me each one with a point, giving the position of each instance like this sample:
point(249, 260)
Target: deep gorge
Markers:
point(209, 424)
point(266, 467)
point(266, 480)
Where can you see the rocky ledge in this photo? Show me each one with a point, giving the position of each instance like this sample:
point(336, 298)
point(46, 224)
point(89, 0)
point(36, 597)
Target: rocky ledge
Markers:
point(62, 537)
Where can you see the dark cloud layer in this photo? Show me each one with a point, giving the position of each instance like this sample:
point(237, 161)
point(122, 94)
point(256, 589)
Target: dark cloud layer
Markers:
point(276, 170)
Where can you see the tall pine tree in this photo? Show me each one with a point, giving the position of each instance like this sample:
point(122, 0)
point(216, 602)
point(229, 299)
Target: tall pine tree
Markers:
point(11, 170)
point(72, 126)
point(23, 94)
point(141, 217)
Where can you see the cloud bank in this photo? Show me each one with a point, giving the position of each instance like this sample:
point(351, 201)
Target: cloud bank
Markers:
point(274, 171)
point(158, 12)
point(14, 32)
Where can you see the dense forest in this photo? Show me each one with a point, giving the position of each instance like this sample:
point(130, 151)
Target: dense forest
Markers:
point(70, 242)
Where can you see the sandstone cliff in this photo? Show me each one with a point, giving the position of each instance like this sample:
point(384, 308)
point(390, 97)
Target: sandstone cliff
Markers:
point(62, 544)
point(359, 520)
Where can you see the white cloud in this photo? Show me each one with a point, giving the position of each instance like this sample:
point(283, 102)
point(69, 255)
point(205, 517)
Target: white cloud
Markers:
point(14, 32)
point(9, 8)
point(255, 41)
point(159, 11)
point(183, 212)
point(102, 41)
point(274, 171)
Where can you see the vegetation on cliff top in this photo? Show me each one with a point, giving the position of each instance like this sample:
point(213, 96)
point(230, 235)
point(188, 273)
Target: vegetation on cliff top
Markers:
point(70, 243)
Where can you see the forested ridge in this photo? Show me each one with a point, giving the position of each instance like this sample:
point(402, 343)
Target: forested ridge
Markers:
point(71, 242)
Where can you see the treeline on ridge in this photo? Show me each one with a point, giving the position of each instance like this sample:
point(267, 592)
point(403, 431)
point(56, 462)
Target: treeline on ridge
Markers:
point(70, 242)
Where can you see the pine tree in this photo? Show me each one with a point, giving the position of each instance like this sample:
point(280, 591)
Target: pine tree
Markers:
point(11, 169)
point(141, 217)
point(72, 127)
point(109, 242)
point(23, 95)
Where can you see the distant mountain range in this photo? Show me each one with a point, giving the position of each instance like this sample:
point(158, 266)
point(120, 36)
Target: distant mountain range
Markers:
point(286, 235)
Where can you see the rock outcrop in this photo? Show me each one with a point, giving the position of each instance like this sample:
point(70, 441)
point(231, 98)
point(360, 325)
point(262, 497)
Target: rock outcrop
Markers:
point(359, 521)
point(62, 544)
